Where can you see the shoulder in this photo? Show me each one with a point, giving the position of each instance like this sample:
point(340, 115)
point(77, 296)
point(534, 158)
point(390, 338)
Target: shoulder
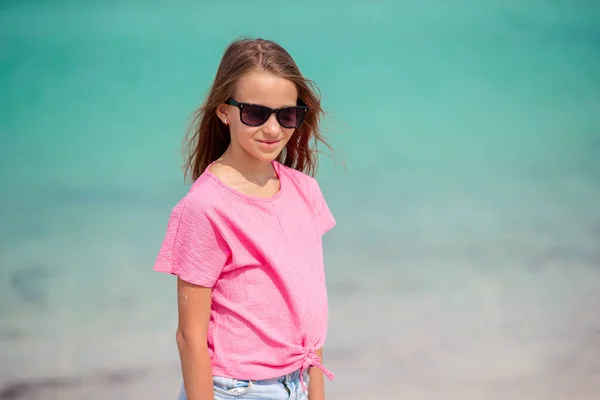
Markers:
point(202, 200)
point(310, 191)
point(307, 187)
point(299, 178)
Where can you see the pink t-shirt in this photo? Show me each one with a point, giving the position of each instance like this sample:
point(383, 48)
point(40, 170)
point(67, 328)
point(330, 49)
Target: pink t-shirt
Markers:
point(264, 260)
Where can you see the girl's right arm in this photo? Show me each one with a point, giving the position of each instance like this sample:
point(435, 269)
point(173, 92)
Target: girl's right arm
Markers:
point(192, 333)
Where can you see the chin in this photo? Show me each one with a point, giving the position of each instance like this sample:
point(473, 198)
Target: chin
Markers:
point(266, 156)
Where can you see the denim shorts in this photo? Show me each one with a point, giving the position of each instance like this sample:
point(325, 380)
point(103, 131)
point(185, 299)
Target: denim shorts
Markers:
point(285, 387)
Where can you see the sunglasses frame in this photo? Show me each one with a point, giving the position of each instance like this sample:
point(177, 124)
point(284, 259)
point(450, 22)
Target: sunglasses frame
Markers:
point(241, 106)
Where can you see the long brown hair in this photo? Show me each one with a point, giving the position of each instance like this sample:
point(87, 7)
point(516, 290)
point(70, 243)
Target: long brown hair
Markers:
point(208, 138)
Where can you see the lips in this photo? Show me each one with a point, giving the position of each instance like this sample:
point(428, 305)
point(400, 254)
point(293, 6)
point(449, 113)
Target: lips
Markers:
point(269, 141)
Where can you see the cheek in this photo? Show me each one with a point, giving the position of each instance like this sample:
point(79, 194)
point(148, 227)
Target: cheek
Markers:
point(242, 133)
point(288, 133)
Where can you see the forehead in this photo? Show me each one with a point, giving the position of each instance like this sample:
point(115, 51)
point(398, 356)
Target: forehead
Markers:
point(264, 88)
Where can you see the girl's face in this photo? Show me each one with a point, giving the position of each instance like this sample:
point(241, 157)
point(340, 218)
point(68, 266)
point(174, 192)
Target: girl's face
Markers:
point(263, 142)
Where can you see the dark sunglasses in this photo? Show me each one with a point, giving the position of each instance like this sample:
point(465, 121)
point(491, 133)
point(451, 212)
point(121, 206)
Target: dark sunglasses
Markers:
point(256, 115)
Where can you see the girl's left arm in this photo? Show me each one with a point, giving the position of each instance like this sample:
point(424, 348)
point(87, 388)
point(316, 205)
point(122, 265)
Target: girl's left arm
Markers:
point(316, 385)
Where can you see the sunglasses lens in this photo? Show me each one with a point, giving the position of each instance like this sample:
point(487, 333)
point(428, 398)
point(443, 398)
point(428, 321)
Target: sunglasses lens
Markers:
point(291, 117)
point(254, 115)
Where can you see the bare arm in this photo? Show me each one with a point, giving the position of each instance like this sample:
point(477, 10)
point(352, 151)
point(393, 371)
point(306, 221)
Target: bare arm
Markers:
point(192, 331)
point(316, 386)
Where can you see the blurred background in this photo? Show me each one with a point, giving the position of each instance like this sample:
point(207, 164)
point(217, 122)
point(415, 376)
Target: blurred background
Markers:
point(466, 186)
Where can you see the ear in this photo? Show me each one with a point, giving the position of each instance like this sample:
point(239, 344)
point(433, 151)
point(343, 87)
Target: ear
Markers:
point(222, 113)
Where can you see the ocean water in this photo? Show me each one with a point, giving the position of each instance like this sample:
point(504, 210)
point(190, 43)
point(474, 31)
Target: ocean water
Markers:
point(466, 186)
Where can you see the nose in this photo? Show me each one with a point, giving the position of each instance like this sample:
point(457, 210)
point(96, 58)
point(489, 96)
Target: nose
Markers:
point(271, 127)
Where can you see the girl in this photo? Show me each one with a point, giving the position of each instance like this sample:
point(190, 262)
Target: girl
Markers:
point(245, 242)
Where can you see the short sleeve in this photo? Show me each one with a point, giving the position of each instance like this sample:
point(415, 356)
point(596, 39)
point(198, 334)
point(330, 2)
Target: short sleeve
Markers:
point(325, 218)
point(193, 248)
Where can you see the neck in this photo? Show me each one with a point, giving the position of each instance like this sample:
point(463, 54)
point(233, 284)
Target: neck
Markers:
point(250, 167)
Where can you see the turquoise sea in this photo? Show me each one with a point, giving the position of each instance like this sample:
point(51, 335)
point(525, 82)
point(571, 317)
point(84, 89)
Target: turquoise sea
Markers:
point(466, 187)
